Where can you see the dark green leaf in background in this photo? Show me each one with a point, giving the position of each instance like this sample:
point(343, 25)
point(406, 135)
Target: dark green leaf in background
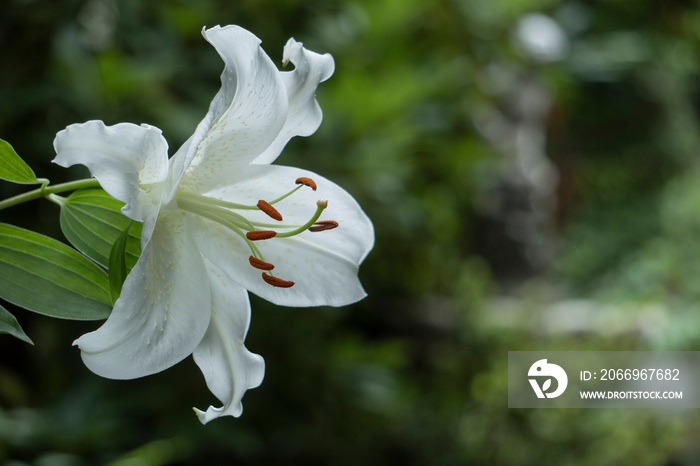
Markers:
point(12, 167)
point(9, 325)
point(48, 277)
point(92, 221)
point(117, 264)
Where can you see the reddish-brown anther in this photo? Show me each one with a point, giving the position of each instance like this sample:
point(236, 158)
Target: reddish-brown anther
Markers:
point(323, 225)
point(258, 264)
point(307, 182)
point(278, 282)
point(269, 210)
point(260, 234)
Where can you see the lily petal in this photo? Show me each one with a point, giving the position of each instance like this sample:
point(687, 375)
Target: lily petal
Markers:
point(162, 313)
point(244, 118)
point(323, 265)
point(228, 367)
point(305, 115)
point(123, 158)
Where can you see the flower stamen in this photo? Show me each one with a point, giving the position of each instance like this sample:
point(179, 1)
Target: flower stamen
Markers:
point(323, 225)
point(258, 235)
point(306, 182)
point(278, 282)
point(269, 210)
point(259, 264)
point(222, 212)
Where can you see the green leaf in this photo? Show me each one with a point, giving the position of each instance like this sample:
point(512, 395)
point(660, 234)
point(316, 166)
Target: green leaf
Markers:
point(13, 168)
point(92, 221)
point(48, 277)
point(9, 325)
point(117, 264)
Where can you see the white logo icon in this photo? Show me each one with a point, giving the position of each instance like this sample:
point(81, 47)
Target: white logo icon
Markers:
point(543, 369)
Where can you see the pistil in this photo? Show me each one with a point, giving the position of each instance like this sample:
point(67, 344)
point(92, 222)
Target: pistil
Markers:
point(320, 206)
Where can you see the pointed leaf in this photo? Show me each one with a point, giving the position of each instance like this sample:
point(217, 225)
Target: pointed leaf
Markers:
point(92, 221)
point(546, 385)
point(13, 168)
point(117, 264)
point(9, 325)
point(48, 277)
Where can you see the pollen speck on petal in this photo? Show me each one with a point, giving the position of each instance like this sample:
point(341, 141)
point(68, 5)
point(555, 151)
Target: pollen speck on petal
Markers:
point(260, 234)
point(278, 282)
point(307, 182)
point(259, 264)
point(269, 210)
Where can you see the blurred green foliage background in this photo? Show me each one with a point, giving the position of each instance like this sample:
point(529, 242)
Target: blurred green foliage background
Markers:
point(531, 170)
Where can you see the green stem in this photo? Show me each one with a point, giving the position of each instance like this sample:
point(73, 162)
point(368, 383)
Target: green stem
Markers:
point(46, 191)
point(56, 199)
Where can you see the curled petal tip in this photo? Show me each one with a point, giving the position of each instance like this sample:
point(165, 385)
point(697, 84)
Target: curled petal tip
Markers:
point(201, 415)
point(290, 48)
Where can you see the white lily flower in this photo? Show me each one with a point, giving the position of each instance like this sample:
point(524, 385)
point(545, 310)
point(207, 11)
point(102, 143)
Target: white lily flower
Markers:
point(208, 236)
